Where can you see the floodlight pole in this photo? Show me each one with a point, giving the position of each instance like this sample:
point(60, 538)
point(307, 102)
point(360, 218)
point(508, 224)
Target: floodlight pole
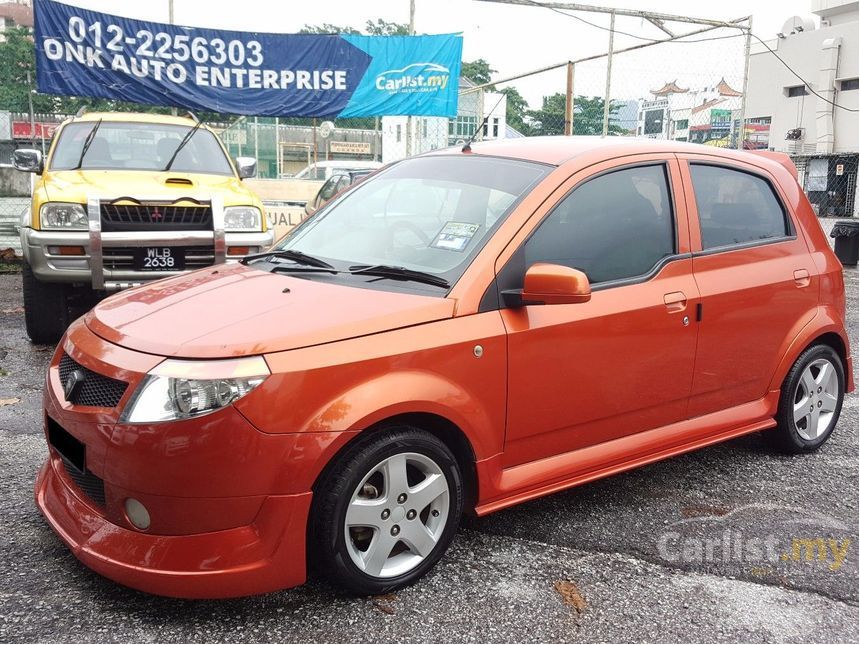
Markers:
point(608, 97)
point(743, 111)
point(409, 118)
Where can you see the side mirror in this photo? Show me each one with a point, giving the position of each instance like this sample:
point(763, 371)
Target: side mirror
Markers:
point(27, 160)
point(247, 167)
point(550, 284)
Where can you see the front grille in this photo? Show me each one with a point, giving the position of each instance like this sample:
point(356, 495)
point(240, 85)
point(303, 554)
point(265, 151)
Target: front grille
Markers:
point(96, 390)
point(90, 485)
point(121, 258)
point(73, 454)
point(155, 217)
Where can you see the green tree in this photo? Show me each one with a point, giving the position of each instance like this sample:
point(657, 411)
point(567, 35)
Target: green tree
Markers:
point(378, 27)
point(517, 108)
point(17, 57)
point(587, 116)
point(478, 71)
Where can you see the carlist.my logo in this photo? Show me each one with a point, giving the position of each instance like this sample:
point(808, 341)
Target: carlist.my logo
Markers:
point(417, 77)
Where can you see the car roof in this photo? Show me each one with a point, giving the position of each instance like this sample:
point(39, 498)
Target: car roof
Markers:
point(559, 149)
point(136, 117)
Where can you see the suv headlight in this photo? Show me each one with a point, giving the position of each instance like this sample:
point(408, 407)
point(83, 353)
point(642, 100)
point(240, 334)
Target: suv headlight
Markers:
point(242, 218)
point(183, 389)
point(63, 216)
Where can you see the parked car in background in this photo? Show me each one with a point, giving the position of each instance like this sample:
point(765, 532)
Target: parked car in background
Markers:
point(323, 170)
point(462, 331)
point(122, 199)
point(333, 186)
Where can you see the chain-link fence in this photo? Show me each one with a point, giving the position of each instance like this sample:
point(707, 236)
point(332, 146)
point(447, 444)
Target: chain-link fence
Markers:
point(830, 182)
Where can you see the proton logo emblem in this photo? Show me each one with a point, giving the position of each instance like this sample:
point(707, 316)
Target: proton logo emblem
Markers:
point(73, 384)
point(156, 215)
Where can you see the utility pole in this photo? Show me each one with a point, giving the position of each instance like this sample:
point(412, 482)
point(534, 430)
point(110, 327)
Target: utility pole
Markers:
point(170, 21)
point(409, 118)
point(568, 102)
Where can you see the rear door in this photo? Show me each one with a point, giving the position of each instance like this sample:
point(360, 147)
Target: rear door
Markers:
point(755, 276)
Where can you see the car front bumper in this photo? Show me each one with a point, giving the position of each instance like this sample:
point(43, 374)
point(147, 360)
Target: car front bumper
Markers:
point(228, 503)
point(266, 555)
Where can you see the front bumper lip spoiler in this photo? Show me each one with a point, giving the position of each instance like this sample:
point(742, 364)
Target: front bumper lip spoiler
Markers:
point(265, 556)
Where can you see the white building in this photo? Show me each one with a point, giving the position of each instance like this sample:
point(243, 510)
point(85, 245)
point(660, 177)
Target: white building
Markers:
point(404, 136)
point(823, 138)
point(15, 13)
point(699, 115)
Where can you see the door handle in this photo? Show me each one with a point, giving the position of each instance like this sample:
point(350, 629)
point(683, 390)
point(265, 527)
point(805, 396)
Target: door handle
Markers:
point(801, 278)
point(675, 301)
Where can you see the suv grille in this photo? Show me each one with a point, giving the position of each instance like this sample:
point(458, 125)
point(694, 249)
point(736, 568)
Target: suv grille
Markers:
point(96, 390)
point(155, 217)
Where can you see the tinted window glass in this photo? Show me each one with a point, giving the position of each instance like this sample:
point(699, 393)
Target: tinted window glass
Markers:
point(735, 207)
point(612, 227)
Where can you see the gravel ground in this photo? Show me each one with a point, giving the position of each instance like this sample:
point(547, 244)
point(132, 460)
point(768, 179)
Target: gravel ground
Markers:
point(650, 555)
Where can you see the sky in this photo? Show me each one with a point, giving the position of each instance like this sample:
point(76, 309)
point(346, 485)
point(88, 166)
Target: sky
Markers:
point(514, 39)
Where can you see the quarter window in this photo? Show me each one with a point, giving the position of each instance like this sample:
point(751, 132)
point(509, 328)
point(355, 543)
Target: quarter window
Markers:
point(616, 226)
point(735, 207)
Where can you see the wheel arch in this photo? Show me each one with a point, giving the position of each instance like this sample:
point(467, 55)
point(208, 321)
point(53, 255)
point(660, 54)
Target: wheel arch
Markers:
point(825, 328)
point(440, 427)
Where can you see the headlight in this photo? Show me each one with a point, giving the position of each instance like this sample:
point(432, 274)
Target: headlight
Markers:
point(242, 218)
point(61, 215)
point(184, 389)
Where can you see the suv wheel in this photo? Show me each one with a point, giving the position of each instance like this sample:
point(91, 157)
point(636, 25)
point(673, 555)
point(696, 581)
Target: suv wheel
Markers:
point(811, 401)
point(46, 308)
point(387, 511)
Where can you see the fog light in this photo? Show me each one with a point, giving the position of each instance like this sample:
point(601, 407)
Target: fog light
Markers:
point(238, 250)
point(66, 250)
point(137, 513)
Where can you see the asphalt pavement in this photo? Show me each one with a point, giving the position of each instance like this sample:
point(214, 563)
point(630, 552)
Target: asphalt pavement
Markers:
point(730, 543)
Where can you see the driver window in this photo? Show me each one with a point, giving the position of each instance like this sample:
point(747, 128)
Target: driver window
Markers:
point(616, 226)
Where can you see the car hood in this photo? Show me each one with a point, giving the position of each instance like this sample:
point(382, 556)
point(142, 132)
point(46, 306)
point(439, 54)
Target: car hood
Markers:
point(78, 185)
point(234, 310)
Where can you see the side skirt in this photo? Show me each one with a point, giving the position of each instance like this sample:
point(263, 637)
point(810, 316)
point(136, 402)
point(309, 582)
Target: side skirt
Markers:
point(506, 487)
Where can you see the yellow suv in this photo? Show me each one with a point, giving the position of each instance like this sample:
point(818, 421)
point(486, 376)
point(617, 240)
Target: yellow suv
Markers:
point(123, 199)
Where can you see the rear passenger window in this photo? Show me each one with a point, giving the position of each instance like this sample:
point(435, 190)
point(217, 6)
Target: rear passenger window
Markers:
point(735, 207)
point(616, 226)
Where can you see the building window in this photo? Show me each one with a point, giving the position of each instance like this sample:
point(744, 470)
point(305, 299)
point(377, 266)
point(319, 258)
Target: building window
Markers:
point(399, 132)
point(682, 124)
point(816, 175)
point(848, 84)
point(462, 126)
point(496, 127)
point(424, 128)
point(797, 90)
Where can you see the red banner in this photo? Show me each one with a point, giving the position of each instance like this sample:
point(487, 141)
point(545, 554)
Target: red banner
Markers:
point(22, 130)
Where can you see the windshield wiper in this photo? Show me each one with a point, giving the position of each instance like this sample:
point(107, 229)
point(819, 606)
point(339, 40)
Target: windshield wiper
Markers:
point(87, 142)
point(291, 254)
point(181, 145)
point(399, 273)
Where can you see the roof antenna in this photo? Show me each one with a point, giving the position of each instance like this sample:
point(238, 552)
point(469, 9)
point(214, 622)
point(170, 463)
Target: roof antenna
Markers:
point(467, 147)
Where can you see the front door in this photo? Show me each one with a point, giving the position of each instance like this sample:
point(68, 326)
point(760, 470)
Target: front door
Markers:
point(622, 363)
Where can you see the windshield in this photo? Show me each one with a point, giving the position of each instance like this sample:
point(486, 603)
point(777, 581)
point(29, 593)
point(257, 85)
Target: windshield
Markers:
point(138, 146)
point(429, 214)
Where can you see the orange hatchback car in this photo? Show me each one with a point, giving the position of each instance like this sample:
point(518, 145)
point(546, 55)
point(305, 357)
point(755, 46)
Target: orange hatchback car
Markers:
point(461, 332)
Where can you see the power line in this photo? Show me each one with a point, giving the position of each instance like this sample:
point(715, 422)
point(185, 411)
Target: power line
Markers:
point(679, 40)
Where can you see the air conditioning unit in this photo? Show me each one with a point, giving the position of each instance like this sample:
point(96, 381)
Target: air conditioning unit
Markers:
point(795, 134)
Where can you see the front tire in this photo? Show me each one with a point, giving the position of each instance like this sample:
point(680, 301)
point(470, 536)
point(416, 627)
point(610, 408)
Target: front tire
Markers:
point(387, 510)
point(46, 308)
point(810, 402)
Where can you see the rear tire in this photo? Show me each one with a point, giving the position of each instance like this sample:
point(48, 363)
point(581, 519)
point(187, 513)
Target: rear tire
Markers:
point(386, 511)
point(810, 402)
point(46, 308)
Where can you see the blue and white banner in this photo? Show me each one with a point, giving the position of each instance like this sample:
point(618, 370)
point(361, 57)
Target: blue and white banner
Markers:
point(87, 53)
